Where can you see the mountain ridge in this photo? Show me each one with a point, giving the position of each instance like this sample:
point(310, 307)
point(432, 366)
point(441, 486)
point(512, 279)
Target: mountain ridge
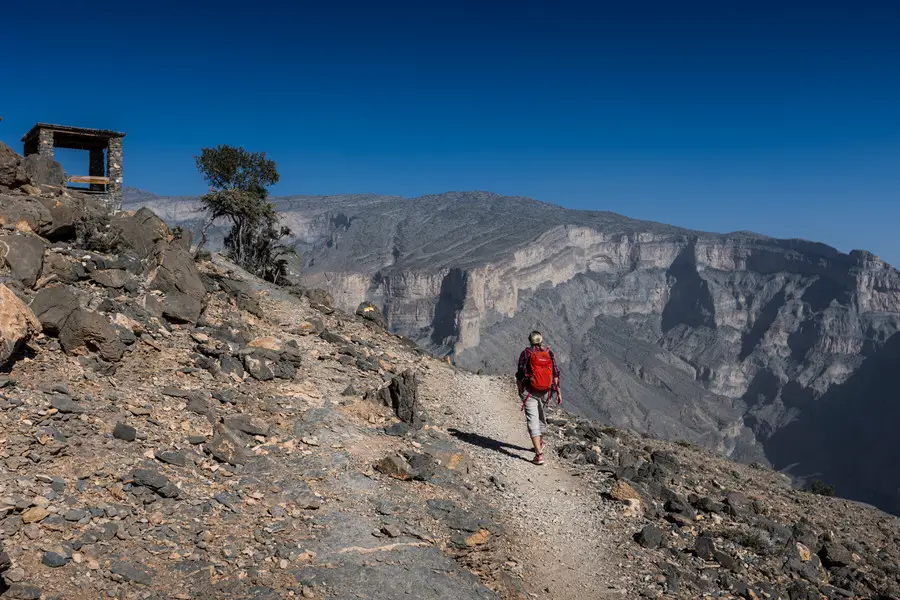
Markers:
point(137, 197)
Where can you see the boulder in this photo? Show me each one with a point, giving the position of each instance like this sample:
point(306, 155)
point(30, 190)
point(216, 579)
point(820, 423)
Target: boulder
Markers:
point(292, 353)
point(12, 171)
point(704, 546)
point(283, 369)
point(43, 170)
point(226, 446)
point(171, 457)
point(258, 368)
point(623, 491)
point(244, 295)
point(70, 215)
point(181, 308)
point(53, 305)
point(320, 297)
point(112, 278)
point(247, 424)
point(17, 324)
point(650, 537)
point(24, 255)
point(176, 272)
point(835, 555)
point(125, 432)
point(396, 467)
point(132, 573)
point(88, 329)
point(737, 504)
point(23, 214)
point(402, 396)
point(626, 494)
point(231, 365)
point(62, 267)
point(142, 231)
point(24, 591)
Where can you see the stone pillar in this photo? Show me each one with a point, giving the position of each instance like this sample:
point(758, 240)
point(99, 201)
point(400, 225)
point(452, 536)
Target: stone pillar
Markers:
point(97, 168)
point(45, 143)
point(114, 172)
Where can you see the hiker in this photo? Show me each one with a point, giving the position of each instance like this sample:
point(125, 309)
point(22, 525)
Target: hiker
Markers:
point(537, 378)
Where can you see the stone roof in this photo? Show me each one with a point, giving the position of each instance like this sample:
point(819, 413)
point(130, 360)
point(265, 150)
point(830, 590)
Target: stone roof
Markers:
point(73, 131)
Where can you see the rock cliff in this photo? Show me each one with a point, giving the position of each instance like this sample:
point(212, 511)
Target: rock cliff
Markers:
point(759, 348)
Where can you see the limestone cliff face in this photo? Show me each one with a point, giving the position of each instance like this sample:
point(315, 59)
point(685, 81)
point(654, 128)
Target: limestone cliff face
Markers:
point(725, 340)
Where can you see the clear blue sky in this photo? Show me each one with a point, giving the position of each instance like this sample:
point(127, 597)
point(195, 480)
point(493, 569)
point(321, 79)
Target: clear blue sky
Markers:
point(718, 116)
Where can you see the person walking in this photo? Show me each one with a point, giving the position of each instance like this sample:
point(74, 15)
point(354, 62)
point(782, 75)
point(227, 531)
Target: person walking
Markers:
point(537, 377)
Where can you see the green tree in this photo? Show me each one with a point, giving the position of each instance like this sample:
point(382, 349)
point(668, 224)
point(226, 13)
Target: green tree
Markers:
point(239, 182)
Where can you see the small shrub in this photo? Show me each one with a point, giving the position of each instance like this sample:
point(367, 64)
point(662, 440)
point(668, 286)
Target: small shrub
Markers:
point(688, 445)
point(753, 540)
point(821, 488)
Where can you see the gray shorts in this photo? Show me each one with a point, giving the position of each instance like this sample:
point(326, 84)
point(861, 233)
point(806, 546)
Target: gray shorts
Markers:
point(534, 412)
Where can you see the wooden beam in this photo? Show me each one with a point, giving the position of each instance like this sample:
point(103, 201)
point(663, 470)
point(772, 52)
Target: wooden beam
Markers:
point(88, 179)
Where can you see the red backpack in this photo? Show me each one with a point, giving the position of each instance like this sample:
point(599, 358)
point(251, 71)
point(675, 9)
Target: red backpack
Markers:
point(539, 370)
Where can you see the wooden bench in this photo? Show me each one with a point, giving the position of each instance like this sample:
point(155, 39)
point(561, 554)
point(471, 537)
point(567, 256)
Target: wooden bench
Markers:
point(88, 179)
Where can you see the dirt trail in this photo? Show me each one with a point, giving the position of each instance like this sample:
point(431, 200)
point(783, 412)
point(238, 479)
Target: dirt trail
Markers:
point(556, 520)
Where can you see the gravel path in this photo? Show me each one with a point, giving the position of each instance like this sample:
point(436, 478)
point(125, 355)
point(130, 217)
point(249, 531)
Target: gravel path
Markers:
point(555, 519)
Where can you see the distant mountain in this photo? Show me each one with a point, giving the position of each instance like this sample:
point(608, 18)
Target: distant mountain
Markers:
point(763, 349)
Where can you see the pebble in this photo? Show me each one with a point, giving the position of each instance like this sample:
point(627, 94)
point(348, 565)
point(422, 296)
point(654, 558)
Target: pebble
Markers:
point(125, 432)
point(35, 515)
point(131, 573)
point(54, 560)
point(75, 514)
point(392, 531)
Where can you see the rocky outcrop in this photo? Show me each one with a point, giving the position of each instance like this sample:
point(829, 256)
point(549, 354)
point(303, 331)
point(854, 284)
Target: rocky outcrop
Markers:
point(53, 305)
point(746, 522)
point(24, 255)
point(17, 324)
point(92, 280)
point(93, 331)
point(43, 170)
point(12, 171)
point(118, 454)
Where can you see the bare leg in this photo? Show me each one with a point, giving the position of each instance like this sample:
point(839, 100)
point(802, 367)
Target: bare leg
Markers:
point(536, 440)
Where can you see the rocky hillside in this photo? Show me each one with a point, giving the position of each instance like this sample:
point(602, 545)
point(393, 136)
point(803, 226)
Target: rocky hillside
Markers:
point(770, 350)
point(181, 430)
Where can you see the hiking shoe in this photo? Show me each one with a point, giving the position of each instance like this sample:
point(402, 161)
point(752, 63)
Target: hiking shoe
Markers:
point(539, 459)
